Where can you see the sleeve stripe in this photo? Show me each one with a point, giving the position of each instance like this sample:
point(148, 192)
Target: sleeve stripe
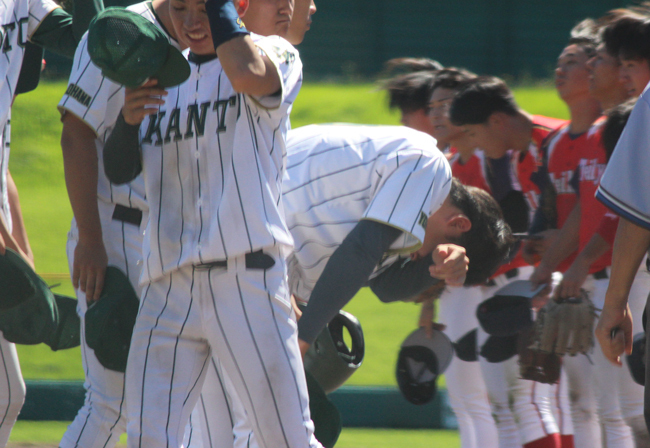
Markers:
point(622, 209)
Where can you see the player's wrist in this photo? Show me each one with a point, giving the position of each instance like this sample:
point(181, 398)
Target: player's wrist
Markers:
point(225, 23)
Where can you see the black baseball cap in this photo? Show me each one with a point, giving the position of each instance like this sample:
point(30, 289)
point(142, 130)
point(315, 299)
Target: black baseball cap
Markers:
point(129, 50)
point(420, 361)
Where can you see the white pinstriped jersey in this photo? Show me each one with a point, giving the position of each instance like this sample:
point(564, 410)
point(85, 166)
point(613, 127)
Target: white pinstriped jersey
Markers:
point(339, 174)
point(4, 169)
point(213, 161)
point(97, 101)
point(19, 20)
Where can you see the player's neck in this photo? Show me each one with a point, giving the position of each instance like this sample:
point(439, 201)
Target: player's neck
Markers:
point(522, 130)
point(583, 113)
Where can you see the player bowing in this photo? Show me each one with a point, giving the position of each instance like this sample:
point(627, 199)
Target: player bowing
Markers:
point(357, 197)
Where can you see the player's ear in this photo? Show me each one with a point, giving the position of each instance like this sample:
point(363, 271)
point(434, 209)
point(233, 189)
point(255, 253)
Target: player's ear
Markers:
point(496, 119)
point(241, 6)
point(460, 223)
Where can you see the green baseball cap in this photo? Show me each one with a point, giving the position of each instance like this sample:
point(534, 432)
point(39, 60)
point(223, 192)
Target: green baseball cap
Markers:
point(110, 320)
point(129, 50)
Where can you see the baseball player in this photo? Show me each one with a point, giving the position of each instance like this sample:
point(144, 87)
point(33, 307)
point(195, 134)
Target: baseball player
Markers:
point(619, 403)
point(511, 139)
point(465, 385)
point(561, 153)
point(12, 386)
point(620, 189)
point(410, 92)
point(355, 195)
point(214, 270)
point(22, 22)
point(106, 229)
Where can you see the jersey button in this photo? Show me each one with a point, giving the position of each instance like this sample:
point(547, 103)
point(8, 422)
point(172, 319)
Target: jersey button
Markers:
point(199, 202)
point(197, 154)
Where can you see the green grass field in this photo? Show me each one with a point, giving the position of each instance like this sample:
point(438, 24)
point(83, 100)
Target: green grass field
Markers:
point(36, 165)
point(39, 434)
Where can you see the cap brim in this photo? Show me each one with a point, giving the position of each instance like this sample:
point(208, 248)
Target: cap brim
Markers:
point(438, 343)
point(520, 288)
point(174, 71)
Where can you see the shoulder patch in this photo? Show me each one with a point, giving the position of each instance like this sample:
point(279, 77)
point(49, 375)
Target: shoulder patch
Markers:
point(422, 220)
point(78, 94)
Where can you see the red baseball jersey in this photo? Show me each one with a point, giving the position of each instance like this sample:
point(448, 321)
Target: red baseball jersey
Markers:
point(471, 173)
point(591, 167)
point(525, 174)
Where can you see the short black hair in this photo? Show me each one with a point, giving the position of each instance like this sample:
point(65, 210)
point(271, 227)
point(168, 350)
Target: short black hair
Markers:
point(628, 37)
point(410, 92)
point(452, 78)
point(586, 35)
point(489, 241)
point(480, 98)
point(613, 127)
point(399, 66)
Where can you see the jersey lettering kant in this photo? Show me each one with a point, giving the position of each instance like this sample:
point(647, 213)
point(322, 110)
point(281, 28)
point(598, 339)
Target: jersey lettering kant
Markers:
point(213, 161)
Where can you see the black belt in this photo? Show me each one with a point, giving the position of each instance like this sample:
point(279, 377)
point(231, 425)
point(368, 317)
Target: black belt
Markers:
point(127, 214)
point(254, 260)
point(512, 273)
point(600, 275)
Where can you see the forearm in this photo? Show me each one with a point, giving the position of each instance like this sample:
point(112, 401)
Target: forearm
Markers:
point(566, 242)
point(346, 272)
point(595, 248)
point(18, 230)
point(60, 32)
point(630, 246)
point(403, 280)
point(122, 158)
point(81, 173)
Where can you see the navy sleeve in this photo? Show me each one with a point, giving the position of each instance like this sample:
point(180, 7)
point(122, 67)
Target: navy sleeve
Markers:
point(403, 280)
point(346, 272)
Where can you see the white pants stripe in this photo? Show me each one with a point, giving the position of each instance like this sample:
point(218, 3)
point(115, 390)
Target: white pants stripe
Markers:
point(243, 319)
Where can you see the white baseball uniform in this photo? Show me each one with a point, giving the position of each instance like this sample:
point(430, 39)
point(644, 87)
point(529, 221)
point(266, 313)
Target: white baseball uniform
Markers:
point(214, 271)
point(465, 384)
point(12, 386)
point(340, 174)
point(123, 210)
point(19, 20)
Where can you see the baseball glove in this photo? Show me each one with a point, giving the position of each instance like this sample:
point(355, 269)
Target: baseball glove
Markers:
point(565, 326)
point(536, 365)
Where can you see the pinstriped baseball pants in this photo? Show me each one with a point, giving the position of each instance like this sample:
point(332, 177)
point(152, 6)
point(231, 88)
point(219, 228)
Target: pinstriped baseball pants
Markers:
point(241, 317)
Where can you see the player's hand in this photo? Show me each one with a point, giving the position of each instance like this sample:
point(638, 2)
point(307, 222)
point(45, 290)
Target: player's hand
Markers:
point(620, 320)
point(304, 346)
point(541, 298)
point(572, 280)
point(450, 264)
point(296, 308)
point(142, 101)
point(541, 275)
point(89, 268)
point(428, 316)
point(533, 250)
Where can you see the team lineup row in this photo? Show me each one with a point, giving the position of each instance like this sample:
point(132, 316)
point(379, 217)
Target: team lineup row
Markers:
point(555, 168)
point(220, 222)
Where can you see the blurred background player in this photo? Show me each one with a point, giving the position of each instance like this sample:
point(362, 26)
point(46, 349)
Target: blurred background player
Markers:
point(410, 90)
point(511, 138)
point(561, 153)
point(619, 403)
point(465, 385)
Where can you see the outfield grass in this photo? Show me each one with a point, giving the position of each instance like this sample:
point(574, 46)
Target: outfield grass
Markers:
point(50, 433)
point(36, 165)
